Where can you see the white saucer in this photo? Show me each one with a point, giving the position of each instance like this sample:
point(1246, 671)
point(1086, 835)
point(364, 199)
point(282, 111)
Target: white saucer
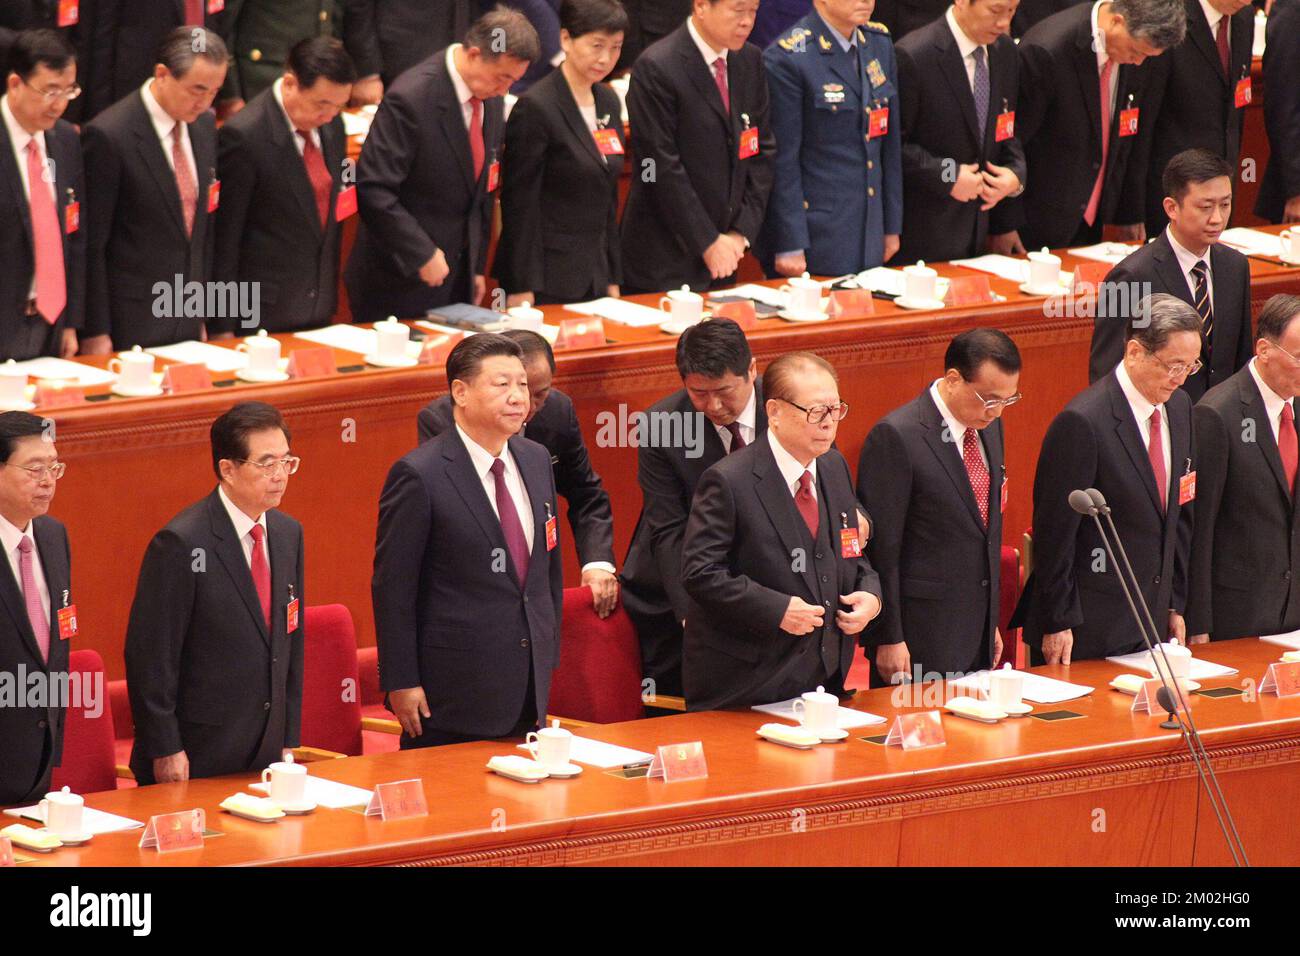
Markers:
point(572, 770)
point(833, 736)
point(297, 809)
point(817, 316)
point(71, 839)
point(404, 362)
point(248, 375)
point(675, 328)
point(1017, 710)
point(903, 302)
point(1027, 289)
point(20, 407)
point(152, 392)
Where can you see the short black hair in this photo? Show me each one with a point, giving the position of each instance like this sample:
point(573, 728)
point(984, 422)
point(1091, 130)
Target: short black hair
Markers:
point(230, 431)
point(504, 31)
point(183, 45)
point(33, 48)
point(1276, 316)
point(314, 57)
point(532, 345)
point(1189, 167)
point(713, 349)
point(18, 425)
point(467, 357)
point(972, 348)
point(592, 16)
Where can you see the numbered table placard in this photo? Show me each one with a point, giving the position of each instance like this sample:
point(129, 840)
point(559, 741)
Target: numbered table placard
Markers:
point(1281, 679)
point(917, 731)
point(679, 762)
point(182, 830)
point(1147, 700)
point(398, 800)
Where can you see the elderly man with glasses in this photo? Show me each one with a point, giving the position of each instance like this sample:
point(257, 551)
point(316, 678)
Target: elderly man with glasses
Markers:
point(214, 645)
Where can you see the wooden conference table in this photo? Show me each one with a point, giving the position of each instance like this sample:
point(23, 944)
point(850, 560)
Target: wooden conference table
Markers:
point(134, 463)
point(1108, 788)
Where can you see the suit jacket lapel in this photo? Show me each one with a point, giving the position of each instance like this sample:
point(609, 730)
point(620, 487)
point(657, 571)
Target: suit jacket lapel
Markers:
point(945, 449)
point(230, 550)
point(9, 169)
point(12, 595)
point(1198, 31)
point(1170, 272)
point(1090, 81)
point(778, 502)
point(536, 484)
point(452, 121)
point(295, 169)
point(49, 547)
point(954, 71)
point(281, 566)
point(568, 108)
point(469, 485)
point(1256, 412)
point(1180, 455)
point(1127, 430)
point(155, 160)
point(332, 151)
point(702, 75)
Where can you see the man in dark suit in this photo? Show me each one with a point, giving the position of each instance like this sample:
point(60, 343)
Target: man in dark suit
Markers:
point(214, 644)
point(1081, 73)
point(468, 579)
point(399, 34)
point(552, 423)
point(42, 243)
point(961, 158)
point(649, 21)
point(702, 147)
point(1188, 261)
point(932, 473)
point(35, 584)
point(1245, 572)
point(1031, 12)
point(1195, 93)
point(281, 164)
point(151, 182)
point(429, 171)
point(1130, 437)
point(74, 22)
point(904, 16)
point(778, 582)
point(1279, 193)
point(720, 409)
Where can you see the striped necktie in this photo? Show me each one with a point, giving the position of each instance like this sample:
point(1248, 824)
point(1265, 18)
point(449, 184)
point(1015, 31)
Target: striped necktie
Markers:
point(1201, 273)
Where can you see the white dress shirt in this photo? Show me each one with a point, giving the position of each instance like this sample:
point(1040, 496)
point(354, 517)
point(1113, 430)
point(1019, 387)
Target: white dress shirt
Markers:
point(710, 55)
point(18, 139)
point(10, 537)
point(790, 468)
point(1099, 44)
point(955, 428)
point(746, 422)
point(1186, 260)
point(1273, 402)
point(1142, 410)
point(463, 93)
point(277, 90)
point(163, 125)
point(482, 460)
point(1212, 17)
point(243, 525)
point(967, 47)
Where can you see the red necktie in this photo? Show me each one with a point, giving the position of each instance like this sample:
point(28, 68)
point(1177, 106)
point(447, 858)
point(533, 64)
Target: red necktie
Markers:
point(1286, 446)
point(1156, 452)
point(32, 598)
point(1090, 214)
point(720, 77)
point(186, 185)
point(47, 239)
point(807, 504)
point(318, 174)
point(737, 439)
point(511, 526)
point(1221, 40)
point(261, 572)
point(977, 471)
point(476, 150)
point(194, 13)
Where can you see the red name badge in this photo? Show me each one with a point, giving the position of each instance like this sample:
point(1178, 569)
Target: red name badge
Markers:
point(291, 617)
point(608, 143)
point(552, 533)
point(72, 217)
point(345, 204)
point(1128, 121)
point(398, 800)
point(214, 195)
point(1242, 95)
point(174, 831)
point(878, 123)
point(68, 622)
point(494, 176)
point(69, 12)
point(749, 142)
point(1006, 127)
point(850, 546)
point(1187, 488)
point(216, 6)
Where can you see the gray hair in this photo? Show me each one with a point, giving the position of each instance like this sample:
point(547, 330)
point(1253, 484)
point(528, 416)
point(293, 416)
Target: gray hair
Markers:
point(1160, 316)
point(1162, 23)
point(183, 45)
point(1276, 316)
point(503, 31)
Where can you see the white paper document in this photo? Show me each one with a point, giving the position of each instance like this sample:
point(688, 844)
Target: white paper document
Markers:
point(759, 293)
point(93, 821)
point(327, 793)
point(891, 282)
point(597, 753)
point(548, 332)
point(1105, 251)
point(846, 719)
point(1005, 267)
point(1200, 669)
point(352, 338)
point(1289, 640)
point(86, 376)
point(358, 123)
point(621, 311)
point(1252, 242)
point(1036, 687)
point(214, 357)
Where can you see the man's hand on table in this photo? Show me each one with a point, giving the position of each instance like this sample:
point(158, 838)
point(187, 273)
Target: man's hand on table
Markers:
point(1007, 244)
point(1058, 646)
point(96, 345)
point(791, 265)
point(68, 344)
point(173, 769)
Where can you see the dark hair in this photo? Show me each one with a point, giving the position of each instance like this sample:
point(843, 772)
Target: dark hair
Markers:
point(532, 345)
point(33, 48)
point(467, 357)
point(503, 31)
point(713, 349)
point(1162, 23)
point(1189, 167)
point(230, 432)
point(777, 376)
point(972, 348)
point(183, 45)
point(1276, 316)
point(1159, 316)
point(315, 57)
point(580, 17)
point(16, 425)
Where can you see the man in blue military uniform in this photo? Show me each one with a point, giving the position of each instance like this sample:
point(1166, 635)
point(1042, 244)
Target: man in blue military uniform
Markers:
point(837, 203)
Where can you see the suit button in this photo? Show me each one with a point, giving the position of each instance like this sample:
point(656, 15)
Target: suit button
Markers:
point(275, 660)
point(870, 165)
point(827, 603)
point(524, 642)
point(42, 724)
point(871, 190)
point(311, 293)
point(255, 55)
point(984, 583)
point(1286, 575)
point(266, 705)
point(818, 556)
point(525, 598)
point(825, 579)
point(1157, 580)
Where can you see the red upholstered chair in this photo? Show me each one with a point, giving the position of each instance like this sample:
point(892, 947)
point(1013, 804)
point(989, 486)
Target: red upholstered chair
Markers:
point(599, 676)
point(123, 731)
point(331, 706)
point(89, 764)
point(380, 732)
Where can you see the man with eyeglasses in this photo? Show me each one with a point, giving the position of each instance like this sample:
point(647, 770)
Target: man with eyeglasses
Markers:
point(214, 644)
point(778, 582)
point(1128, 435)
point(933, 474)
point(34, 636)
point(1245, 571)
point(42, 241)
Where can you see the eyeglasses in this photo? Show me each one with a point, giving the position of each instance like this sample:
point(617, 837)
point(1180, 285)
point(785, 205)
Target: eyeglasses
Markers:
point(54, 95)
point(1178, 369)
point(817, 414)
point(1294, 358)
point(992, 403)
point(38, 472)
point(271, 468)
